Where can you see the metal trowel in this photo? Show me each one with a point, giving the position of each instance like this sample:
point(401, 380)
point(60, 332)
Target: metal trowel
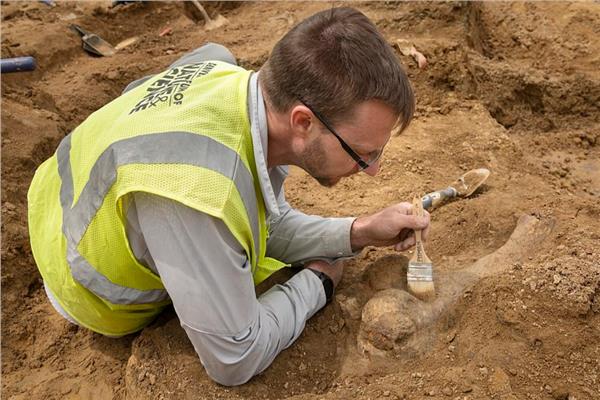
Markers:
point(93, 43)
point(209, 23)
point(464, 186)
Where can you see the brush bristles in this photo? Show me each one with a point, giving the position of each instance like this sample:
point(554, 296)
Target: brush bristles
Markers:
point(422, 290)
point(420, 280)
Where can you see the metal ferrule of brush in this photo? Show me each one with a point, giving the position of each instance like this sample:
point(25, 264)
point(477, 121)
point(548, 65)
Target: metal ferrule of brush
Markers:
point(421, 272)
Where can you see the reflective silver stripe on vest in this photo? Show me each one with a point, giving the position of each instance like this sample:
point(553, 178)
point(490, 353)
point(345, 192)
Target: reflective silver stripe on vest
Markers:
point(158, 148)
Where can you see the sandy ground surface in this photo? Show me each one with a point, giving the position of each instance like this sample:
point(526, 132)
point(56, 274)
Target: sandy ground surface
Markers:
point(511, 87)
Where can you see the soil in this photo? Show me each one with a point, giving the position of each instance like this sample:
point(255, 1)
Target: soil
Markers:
point(512, 87)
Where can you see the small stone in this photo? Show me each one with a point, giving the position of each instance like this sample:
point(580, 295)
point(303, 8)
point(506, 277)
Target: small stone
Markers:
point(499, 382)
point(152, 378)
point(112, 75)
point(386, 393)
point(447, 391)
point(450, 337)
point(141, 376)
point(483, 371)
point(560, 394)
point(557, 279)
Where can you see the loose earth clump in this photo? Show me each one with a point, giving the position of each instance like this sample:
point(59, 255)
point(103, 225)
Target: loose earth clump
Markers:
point(386, 320)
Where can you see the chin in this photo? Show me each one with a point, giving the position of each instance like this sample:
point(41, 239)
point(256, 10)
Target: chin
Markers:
point(327, 182)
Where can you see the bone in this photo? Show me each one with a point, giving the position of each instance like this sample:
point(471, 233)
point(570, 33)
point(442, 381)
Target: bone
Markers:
point(393, 316)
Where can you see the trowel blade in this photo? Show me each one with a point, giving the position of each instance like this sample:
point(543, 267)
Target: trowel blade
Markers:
point(467, 184)
point(95, 44)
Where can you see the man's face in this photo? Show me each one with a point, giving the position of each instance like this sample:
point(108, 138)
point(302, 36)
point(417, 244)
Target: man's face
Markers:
point(366, 133)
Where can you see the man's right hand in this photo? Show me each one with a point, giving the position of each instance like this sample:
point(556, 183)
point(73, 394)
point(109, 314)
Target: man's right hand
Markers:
point(334, 271)
point(392, 226)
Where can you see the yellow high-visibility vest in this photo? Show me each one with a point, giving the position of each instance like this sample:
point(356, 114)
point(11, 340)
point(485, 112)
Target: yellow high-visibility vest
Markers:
point(184, 135)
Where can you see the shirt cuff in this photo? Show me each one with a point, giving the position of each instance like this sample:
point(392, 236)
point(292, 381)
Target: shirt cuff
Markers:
point(337, 241)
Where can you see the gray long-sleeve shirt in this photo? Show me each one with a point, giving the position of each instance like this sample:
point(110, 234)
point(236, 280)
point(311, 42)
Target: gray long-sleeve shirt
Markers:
point(208, 277)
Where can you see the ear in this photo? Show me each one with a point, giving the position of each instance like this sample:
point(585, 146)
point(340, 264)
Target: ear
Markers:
point(302, 121)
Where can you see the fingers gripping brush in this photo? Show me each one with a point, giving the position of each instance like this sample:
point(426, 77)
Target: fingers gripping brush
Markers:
point(420, 269)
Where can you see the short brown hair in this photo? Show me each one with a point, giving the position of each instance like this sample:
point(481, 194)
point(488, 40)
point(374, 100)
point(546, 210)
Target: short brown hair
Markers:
point(333, 61)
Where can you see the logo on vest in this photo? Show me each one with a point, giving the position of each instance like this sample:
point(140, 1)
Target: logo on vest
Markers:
point(170, 87)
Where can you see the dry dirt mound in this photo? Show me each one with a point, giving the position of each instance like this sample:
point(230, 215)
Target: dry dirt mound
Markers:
point(513, 87)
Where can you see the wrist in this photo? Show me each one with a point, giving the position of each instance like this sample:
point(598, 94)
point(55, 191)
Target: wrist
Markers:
point(327, 282)
point(358, 237)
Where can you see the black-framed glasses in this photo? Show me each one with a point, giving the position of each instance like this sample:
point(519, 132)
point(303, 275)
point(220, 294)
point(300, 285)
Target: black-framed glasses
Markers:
point(362, 164)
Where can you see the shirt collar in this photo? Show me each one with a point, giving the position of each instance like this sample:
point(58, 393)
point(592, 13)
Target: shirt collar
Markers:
point(259, 129)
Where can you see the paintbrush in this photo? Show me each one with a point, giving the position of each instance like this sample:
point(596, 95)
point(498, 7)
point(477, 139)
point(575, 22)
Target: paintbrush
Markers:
point(420, 269)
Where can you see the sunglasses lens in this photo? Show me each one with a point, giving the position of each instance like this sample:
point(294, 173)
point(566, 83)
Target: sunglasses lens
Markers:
point(375, 157)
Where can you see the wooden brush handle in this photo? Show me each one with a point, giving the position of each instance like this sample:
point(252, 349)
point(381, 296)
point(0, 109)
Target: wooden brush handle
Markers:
point(418, 211)
point(419, 255)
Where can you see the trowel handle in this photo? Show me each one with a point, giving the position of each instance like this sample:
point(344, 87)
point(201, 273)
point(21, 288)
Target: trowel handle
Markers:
point(434, 199)
point(79, 30)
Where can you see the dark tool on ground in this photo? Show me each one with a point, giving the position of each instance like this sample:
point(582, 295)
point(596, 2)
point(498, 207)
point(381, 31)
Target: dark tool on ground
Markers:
point(93, 43)
point(210, 23)
point(17, 64)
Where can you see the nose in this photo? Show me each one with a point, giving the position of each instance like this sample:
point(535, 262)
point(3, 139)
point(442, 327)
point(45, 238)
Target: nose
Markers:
point(373, 168)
